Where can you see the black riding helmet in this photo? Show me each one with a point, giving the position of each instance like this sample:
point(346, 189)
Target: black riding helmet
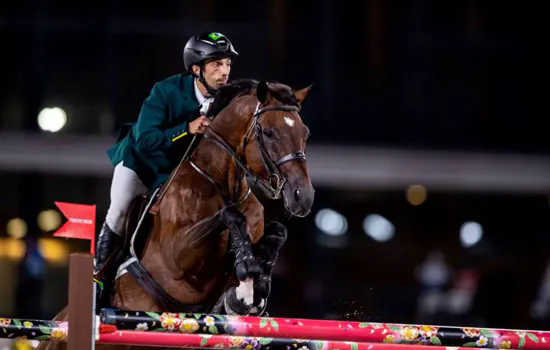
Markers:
point(207, 45)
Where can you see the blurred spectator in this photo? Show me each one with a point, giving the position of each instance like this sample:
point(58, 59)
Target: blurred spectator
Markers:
point(434, 275)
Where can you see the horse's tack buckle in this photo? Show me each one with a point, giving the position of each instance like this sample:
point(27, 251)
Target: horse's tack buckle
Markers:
point(276, 185)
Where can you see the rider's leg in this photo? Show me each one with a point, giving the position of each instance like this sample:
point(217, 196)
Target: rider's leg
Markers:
point(125, 186)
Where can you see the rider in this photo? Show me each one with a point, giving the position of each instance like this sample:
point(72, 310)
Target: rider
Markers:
point(149, 151)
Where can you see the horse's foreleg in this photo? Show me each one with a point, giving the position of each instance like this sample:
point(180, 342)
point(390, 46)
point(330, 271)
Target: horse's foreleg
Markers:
point(246, 265)
point(267, 250)
point(247, 268)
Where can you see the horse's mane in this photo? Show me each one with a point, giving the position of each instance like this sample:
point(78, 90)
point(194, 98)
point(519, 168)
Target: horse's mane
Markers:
point(241, 87)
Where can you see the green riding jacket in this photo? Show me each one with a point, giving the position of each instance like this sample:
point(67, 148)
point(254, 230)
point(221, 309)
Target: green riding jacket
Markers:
point(153, 146)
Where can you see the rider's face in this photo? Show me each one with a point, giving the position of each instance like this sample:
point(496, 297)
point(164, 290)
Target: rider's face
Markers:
point(216, 71)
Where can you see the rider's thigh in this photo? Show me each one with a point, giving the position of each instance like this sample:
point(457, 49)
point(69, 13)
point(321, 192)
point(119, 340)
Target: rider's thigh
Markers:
point(125, 186)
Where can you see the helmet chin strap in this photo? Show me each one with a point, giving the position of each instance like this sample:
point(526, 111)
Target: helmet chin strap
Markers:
point(201, 78)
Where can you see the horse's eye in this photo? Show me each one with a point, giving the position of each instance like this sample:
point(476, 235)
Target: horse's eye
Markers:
point(269, 133)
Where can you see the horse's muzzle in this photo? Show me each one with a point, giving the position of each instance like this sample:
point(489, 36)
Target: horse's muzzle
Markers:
point(298, 197)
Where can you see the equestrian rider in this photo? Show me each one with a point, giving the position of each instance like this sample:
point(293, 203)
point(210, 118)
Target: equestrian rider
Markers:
point(151, 148)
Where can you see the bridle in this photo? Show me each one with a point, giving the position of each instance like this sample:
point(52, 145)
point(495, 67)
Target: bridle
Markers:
point(276, 180)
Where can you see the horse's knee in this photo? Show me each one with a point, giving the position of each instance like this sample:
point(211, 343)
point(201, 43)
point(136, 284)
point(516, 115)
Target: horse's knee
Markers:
point(234, 220)
point(276, 228)
point(231, 215)
point(275, 235)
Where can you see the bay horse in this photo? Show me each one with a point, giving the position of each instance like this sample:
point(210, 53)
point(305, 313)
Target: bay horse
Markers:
point(205, 248)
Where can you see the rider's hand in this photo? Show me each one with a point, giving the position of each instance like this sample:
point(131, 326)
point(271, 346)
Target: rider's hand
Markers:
point(199, 125)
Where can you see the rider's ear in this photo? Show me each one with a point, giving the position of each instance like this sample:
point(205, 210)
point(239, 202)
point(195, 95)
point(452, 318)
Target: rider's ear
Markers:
point(262, 91)
point(301, 94)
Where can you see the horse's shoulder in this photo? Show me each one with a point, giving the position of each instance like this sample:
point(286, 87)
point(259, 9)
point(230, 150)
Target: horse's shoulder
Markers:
point(253, 206)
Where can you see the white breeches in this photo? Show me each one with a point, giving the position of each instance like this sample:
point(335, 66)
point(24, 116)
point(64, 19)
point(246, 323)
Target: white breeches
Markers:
point(125, 186)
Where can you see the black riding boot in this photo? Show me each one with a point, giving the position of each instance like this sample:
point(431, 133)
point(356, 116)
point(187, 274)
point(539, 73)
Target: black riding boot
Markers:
point(107, 241)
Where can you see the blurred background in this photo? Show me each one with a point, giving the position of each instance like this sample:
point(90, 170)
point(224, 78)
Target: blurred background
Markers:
point(430, 163)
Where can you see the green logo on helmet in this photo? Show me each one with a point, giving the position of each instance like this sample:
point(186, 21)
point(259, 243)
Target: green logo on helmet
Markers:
point(215, 36)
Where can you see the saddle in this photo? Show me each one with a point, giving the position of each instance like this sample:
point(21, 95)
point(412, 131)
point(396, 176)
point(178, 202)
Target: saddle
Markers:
point(140, 209)
point(138, 224)
point(134, 241)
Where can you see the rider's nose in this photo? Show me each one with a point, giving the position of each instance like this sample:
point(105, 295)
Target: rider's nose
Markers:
point(297, 195)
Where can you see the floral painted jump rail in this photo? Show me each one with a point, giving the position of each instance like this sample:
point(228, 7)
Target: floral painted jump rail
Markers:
point(222, 341)
point(13, 328)
point(259, 333)
point(268, 332)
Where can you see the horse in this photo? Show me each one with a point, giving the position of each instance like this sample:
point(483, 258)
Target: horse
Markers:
point(205, 247)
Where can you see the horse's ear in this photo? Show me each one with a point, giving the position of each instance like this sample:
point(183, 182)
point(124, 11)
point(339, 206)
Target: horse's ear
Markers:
point(301, 94)
point(262, 91)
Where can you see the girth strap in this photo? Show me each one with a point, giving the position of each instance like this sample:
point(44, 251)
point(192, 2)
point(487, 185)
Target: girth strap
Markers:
point(155, 290)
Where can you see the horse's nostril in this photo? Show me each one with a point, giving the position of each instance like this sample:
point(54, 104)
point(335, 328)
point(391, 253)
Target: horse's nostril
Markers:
point(297, 195)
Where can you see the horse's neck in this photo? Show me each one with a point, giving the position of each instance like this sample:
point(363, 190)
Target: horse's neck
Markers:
point(233, 121)
point(217, 162)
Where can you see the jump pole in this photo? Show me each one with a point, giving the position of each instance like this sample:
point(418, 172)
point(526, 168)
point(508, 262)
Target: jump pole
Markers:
point(81, 302)
point(211, 331)
point(81, 224)
point(198, 341)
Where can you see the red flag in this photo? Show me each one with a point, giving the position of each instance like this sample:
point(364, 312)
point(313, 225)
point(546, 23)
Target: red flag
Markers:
point(80, 222)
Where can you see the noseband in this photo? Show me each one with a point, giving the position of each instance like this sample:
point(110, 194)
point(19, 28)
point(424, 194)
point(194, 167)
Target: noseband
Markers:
point(275, 182)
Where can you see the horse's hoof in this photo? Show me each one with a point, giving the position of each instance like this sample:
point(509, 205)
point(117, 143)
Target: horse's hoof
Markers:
point(237, 303)
point(248, 269)
point(262, 288)
point(254, 268)
point(260, 306)
point(241, 271)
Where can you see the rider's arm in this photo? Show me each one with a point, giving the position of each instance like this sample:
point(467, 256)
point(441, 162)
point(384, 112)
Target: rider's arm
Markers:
point(151, 135)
